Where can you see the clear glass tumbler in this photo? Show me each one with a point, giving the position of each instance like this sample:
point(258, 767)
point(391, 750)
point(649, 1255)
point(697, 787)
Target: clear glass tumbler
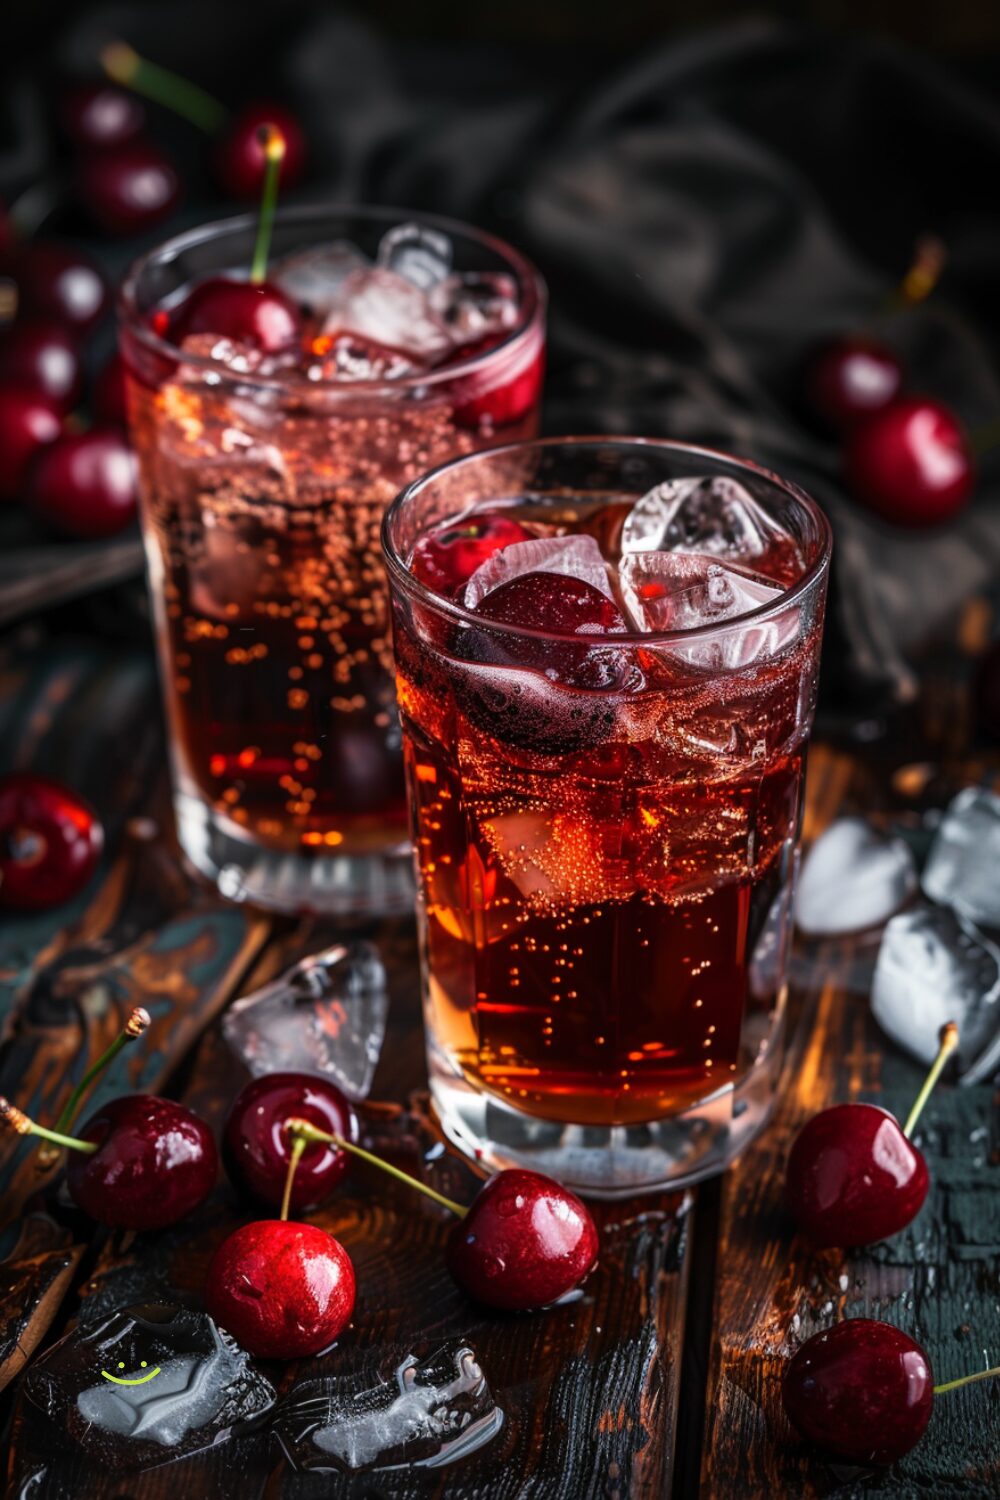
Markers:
point(263, 485)
point(604, 723)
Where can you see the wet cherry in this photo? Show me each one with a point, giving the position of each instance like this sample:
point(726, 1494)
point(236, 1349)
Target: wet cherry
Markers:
point(95, 117)
point(155, 1162)
point(911, 463)
point(256, 1148)
point(559, 604)
point(107, 397)
point(283, 1290)
point(84, 484)
point(849, 378)
point(40, 355)
point(128, 189)
point(27, 422)
point(50, 842)
point(61, 284)
point(244, 311)
point(446, 559)
point(240, 160)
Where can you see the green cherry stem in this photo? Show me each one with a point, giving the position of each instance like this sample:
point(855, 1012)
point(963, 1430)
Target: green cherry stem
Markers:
point(273, 143)
point(948, 1041)
point(955, 1385)
point(136, 1024)
point(298, 1146)
point(303, 1130)
point(17, 1121)
point(123, 65)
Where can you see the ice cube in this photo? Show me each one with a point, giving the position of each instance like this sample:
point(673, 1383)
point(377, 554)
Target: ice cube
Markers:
point(326, 1015)
point(351, 358)
point(854, 877)
point(191, 1386)
point(963, 866)
point(389, 310)
point(714, 516)
point(313, 278)
point(682, 591)
point(572, 556)
point(934, 966)
point(421, 254)
point(476, 305)
point(434, 1411)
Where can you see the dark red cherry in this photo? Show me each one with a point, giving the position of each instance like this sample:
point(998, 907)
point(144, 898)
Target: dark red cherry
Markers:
point(63, 285)
point(849, 378)
point(505, 403)
point(244, 311)
point(911, 463)
point(108, 400)
point(50, 842)
point(39, 355)
point(525, 1242)
point(129, 189)
point(95, 117)
point(239, 156)
point(155, 1162)
point(862, 1391)
point(557, 604)
point(283, 1290)
point(853, 1177)
point(256, 1149)
point(447, 558)
point(27, 422)
point(84, 484)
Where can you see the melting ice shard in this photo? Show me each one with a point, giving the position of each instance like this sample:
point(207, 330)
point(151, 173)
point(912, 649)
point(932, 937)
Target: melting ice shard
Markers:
point(963, 866)
point(713, 516)
point(853, 878)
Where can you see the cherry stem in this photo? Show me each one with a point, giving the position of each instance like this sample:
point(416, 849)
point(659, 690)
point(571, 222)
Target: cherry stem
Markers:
point(124, 65)
point(273, 143)
point(136, 1024)
point(929, 258)
point(17, 1121)
point(298, 1146)
point(947, 1045)
point(955, 1385)
point(304, 1131)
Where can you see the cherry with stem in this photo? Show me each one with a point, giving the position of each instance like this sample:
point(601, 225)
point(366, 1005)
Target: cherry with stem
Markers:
point(135, 1025)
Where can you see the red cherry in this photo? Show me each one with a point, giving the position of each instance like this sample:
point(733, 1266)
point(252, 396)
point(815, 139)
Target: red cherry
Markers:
point(63, 285)
point(50, 842)
point(283, 1290)
point(240, 161)
point(42, 356)
point(27, 422)
point(247, 312)
point(108, 400)
point(847, 379)
point(862, 1390)
point(911, 463)
point(447, 558)
point(155, 1162)
point(505, 403)
point(84, 484)
point(560, 604)
point(95, 117)
point(853, 1177)
point(525, 1242)
point(256, 1148)
point(128, 189)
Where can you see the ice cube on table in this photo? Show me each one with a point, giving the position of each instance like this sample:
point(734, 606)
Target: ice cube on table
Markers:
point(434, 1411)
point(475, 305)
point(667, 591)
point(934, 966)
point(963, 865)
point(313, 278)
point(204, 1386)
point(326, 1015)
point(379, 305)
point(421, 254)
point(572, 556)
point(853, 877)
point(715, 516)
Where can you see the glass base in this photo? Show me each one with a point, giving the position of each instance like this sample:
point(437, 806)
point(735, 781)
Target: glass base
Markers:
point(616, 1161)
point(329, 884)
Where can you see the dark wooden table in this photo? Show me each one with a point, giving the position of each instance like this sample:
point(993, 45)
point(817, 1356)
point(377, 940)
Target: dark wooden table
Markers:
point(663, 1379)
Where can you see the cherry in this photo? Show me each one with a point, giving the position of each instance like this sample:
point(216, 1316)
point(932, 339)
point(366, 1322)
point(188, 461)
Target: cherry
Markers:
point(244, 311)
point(558, 604)
point(853, 1175)
point(256, 1148)
point(240, 160)
point(50, 842)
point(42, 356)
point(849, 378)
point(27, 422)
point(108, 400)
point(911, 463)
point(128, 189)
point(84, 484)
point(95, 117)
point(505, 403)
point(446, 559)
point(63, 285)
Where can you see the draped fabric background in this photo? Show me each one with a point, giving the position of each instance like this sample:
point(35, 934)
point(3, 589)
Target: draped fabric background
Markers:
point(701, 213)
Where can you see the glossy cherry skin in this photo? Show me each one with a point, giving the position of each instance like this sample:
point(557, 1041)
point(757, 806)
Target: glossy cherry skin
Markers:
point(96, 117)
point(256, 1149)
point(129, 189)
point(525, 1242)
point(505, 403)
point(247, 312)
point(569, 606)
point(39, 355)
point(50, 842)
point(240, 162)
point(63, 285)
point(108, 400)
point(155, 1162)
point(84, 484)
point(27, 422)
point(862, 1391)
point(911, 463)
point(283, 1290)
point(853, 1177)
point(849, 378)
point(446, 559)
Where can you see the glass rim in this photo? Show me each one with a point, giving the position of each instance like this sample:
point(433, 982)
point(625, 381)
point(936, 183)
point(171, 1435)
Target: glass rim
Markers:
point(399, 572)
point(529, 279)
